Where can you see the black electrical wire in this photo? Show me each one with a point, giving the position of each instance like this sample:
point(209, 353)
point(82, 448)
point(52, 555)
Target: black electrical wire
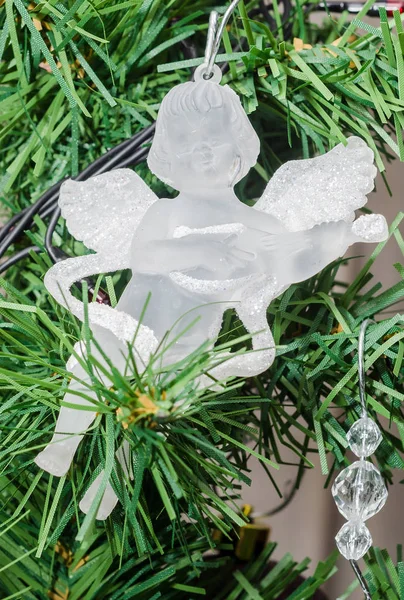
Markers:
point(125, 154)
point(22, 225)
point(264, 8)
point(120, 150)
point(17, 257)
point(51, 210)
point(52, 251)
point(5, 229)
point(97, 167)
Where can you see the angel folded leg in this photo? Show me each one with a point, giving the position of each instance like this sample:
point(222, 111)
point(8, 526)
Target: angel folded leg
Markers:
point(252, 312)
point(72, 423)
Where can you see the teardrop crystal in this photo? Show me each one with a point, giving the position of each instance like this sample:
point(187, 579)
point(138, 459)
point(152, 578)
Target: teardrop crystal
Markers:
point(359, 491)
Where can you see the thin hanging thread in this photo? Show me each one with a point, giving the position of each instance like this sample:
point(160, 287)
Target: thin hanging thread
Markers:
point(214, 38)
point(362, 396)
point(361, 579)
point(361, 366)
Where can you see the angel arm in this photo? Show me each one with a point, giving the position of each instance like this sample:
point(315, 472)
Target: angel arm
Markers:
point(316, 199)
point(300, 255)
point(153, 250)
point(166, 256)
point(159, 248)
point(60, 278)
point(163, 256)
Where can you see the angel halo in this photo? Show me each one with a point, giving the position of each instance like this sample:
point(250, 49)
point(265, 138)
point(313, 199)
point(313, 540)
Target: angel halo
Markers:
point(203, 251)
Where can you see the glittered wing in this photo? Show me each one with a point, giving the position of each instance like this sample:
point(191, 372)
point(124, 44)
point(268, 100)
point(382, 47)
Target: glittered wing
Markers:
point(304, 193)
point(104, 211)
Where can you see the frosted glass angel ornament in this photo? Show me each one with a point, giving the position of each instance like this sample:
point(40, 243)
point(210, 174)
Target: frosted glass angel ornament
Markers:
point(203, 251)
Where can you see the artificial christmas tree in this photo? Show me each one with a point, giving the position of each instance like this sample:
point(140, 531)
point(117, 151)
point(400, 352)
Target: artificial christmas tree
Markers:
point(82, 78)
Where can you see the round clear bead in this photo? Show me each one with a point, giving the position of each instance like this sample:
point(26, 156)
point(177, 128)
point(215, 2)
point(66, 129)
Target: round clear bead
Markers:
point(364, 437)
point(359, 491)
point(353, 540)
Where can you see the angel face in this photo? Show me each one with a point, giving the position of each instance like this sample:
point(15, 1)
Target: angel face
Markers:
point(203, 138)
point(203, 151)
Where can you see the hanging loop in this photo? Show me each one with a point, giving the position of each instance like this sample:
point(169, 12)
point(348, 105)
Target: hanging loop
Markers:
point(210, 40)
point(361, 365)
point(200, 73)
point(214, 38)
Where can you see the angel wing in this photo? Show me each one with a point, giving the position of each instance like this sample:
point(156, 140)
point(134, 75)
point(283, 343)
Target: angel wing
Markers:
point(304, 193)
point(104, 211)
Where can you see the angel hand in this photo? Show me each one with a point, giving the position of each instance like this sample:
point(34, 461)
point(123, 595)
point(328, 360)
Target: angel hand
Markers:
point(222, 258)
point(370, 228)
point(213, 252)
point(301, 254)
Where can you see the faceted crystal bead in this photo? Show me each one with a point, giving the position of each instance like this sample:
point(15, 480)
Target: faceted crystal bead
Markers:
point(364, 437)
point(353, 540)
point(359, 491)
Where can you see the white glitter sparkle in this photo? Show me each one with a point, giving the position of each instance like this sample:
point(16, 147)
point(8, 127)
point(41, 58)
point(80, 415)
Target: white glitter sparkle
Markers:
point(227, 228)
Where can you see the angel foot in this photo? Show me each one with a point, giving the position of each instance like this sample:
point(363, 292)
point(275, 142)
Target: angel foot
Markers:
point(55, 459)
point(371, 228)
point(108, 501)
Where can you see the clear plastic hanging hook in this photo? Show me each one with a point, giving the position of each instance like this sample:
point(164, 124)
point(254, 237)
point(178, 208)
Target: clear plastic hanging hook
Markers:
point(215, 33)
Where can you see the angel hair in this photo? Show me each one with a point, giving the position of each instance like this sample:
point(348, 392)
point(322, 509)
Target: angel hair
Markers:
point(203, 137)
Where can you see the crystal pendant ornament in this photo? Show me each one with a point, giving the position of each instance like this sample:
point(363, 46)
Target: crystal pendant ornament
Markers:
point(203, 252)
point(353, 540)
point(359, 490)
point(364, 437)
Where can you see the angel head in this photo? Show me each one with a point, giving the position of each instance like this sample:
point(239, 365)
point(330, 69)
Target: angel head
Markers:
point(203, 138)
